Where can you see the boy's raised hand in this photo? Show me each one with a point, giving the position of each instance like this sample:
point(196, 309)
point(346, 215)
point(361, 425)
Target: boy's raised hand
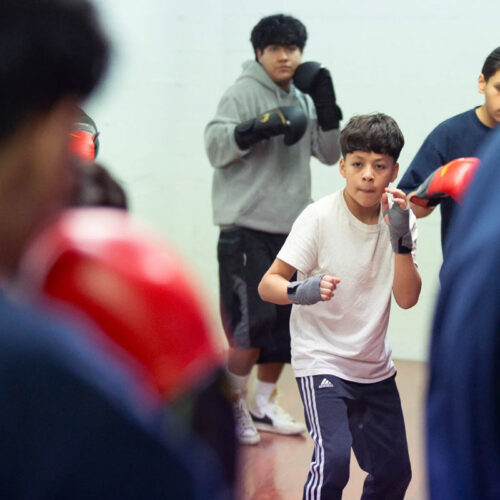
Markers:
point(312, 290)
point(397, 217)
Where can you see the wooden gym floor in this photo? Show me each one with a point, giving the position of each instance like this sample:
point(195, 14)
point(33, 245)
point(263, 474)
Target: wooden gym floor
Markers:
point(276, 468)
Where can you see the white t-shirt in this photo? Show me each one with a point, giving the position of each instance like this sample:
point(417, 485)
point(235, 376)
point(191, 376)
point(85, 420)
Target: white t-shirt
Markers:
point(345, 336)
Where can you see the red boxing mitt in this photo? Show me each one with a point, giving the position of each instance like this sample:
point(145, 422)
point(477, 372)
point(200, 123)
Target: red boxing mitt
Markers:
point(451, 179)
point(81, 144)
point(84, 138)
point(134, 287)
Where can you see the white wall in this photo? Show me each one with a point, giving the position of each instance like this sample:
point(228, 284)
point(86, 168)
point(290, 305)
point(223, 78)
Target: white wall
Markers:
point(416, 61)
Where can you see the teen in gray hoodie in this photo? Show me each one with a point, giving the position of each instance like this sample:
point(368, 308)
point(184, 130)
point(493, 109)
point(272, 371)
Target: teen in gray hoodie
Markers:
point(268, 124)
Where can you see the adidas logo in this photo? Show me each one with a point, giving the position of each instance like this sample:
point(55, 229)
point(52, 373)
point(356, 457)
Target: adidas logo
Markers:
point(325, 383)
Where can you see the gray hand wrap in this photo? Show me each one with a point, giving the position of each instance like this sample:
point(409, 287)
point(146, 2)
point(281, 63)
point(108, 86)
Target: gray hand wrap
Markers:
point(401, 239)
point(305, 292)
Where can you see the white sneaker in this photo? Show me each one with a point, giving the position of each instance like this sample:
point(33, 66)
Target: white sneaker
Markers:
point(274, 419)
point(246, 433)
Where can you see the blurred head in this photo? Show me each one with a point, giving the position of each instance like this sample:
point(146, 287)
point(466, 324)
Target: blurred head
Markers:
point(93, 185)
point(489, 85)
point(278, 42)
point(370, 148)
point(53, 54)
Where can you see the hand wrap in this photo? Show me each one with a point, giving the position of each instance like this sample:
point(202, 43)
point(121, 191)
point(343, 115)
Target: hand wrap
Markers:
point(401, 239)
point(306, 292)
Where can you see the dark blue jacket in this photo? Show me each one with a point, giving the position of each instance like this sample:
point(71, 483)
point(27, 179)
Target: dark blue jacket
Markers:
point(71, 426)
point(463, 407)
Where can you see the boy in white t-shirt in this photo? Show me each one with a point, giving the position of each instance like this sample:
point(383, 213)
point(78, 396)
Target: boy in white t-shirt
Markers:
point(358, 245)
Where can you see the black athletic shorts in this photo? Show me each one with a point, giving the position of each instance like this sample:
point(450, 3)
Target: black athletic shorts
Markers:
point(244, 256)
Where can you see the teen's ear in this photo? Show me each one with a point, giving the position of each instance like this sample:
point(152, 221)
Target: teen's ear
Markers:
point(342, 167)
point(395, 171)
point(481, 84)
point(258, 53)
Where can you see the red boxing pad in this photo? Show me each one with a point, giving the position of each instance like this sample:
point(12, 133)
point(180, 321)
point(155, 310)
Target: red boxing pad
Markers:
point(452, 179)
point(137, 289)
point(81, 144)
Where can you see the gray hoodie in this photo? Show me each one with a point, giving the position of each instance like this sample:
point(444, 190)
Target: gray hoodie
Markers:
point(267, 186)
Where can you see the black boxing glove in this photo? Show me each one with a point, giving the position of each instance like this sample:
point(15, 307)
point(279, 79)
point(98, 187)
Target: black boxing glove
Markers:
point(314, 79)
point(291, 121)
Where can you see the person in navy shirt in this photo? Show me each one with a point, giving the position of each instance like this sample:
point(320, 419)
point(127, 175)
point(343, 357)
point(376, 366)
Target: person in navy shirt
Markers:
point(457, 137)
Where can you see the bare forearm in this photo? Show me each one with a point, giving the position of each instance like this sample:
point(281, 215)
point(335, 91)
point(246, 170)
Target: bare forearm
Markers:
point(273, 288)
point(407, 282)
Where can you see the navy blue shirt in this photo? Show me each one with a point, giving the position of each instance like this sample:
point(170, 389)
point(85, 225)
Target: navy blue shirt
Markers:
point(463, 406)
point(70, 427)
point(457, 137)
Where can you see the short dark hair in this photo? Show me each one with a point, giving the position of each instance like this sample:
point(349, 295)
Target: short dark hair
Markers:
point(49, 49)
point(278, 29)
point(94, 186)
point(375, 132)
point(492, 64)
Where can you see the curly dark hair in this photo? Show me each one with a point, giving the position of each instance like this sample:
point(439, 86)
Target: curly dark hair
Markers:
point(373, 132)
point(278, 29)
point(492, 64)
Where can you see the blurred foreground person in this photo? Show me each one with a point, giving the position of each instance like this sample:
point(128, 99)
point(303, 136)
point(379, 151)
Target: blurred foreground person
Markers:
point(463, 406)
point(140, 294)
point(75, 420)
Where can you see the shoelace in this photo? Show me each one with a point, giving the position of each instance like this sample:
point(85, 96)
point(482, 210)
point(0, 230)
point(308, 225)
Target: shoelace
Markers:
point(242, 417)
